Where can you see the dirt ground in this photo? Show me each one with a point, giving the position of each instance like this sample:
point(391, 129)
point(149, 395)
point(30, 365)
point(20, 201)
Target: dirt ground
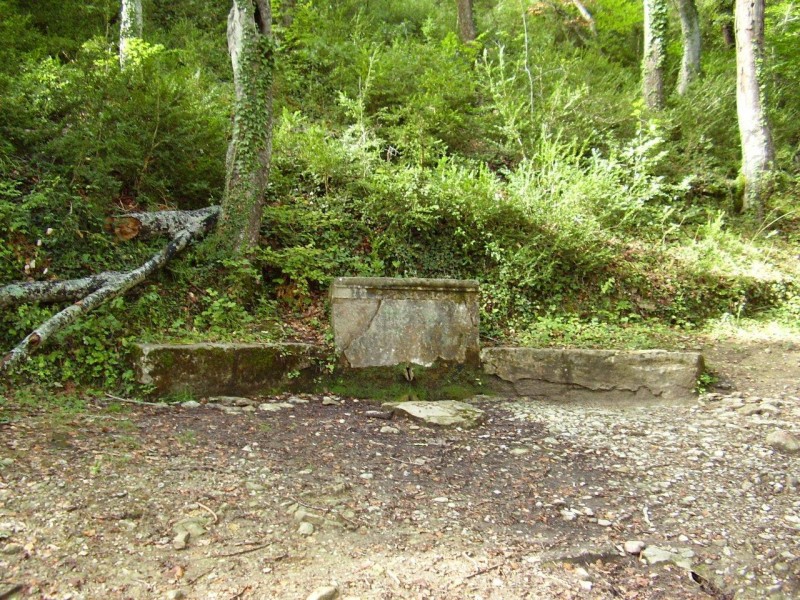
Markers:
point(129, 501)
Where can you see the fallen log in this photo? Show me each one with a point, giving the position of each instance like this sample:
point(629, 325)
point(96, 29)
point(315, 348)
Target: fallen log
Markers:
point(196, 224)
point(54, 291)
point(151, 224)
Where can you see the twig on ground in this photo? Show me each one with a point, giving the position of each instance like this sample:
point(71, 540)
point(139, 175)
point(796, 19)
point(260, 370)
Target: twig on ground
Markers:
point(141, 402)
point(325, 511)
point(194, 580)
point(240, 593)
point(484, 570)
point(213, 514)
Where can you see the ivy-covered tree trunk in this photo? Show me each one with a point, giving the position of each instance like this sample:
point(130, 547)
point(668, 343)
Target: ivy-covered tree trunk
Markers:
point(758, 152)
point(130, 27)
point(690, 33)
point(655, 51)
point(251, 48)
point(466, 21)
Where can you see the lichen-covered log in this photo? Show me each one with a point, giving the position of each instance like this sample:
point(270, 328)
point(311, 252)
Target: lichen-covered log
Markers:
point(54, 291)
point(195, 229)
point(152, 224)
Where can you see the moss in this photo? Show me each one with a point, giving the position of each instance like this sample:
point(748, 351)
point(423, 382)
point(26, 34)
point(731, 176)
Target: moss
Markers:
point(442, 381)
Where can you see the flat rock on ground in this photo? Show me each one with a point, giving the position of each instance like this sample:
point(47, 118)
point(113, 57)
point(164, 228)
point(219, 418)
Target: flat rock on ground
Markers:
point(538, 502)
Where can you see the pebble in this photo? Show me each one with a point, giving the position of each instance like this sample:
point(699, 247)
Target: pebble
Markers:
point(190, 404)
point(604, 522)
point(12, 548)
point(181, 540)
point(175, 595)
point(784, 441)
point(389, 429)
point(634, 547)
point(329, 402)
point(366, 476)
point(305, 528)
point(329, 592)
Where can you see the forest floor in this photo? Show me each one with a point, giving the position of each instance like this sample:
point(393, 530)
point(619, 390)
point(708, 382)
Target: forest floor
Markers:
point(131, 501)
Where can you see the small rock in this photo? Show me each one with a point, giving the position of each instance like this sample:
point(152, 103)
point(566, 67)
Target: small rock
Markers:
point(389, 429)
point(329, 402)
point(13, 548)
point(274, 406)
point(195, 526)
point(634, 547)
point(784, 441)
point(604, 522)
point(568, 515)
point(654, 555)
point(324, 593)
point(181, 540)
point(175, 595)
point(305, 528)
point(582, 574)
point(297, 400)
point(190, 404)
point(366, 476)
point(550, 440)
point(518, 451)
point(379, 414)
point(586, 586)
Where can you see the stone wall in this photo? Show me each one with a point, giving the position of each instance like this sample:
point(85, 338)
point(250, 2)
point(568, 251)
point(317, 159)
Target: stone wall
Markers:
point(227, 369)
point(611, 375)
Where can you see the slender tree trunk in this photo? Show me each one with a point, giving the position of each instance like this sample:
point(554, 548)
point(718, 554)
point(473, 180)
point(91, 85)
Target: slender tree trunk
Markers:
point(690, 34)
point(729, 35)
point(287, 12)
point(466, 21)
point(655, 50)
point(758, 152)
point(585, 15)
point(130, 26)
point(251, 48)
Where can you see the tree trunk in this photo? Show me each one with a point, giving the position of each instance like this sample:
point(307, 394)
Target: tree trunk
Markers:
point(251, 49)
point(757, 149)
point(655, 48)
point(585, 15)
point(107, 286)
point(466, 21)
point(729, 35)
point(690, 34)
point(130, 26)
point(287, 12)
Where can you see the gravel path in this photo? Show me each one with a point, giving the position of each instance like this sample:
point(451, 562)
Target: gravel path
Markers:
point(545, 500)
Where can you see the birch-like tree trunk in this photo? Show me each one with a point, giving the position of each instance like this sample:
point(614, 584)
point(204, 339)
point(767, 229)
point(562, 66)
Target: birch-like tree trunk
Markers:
point(130, 26)
point(690, 34)
point(655, 52)
point(251, 49)
point(758, 152)
point(466, 21)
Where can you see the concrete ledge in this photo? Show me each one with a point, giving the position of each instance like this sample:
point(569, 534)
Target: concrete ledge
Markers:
point(578, 375)
point(227, 369)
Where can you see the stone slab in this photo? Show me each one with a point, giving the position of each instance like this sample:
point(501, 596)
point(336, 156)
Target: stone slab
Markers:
point(383, 322)
point(214, 369)
point(444, 413)
point(578, 375)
